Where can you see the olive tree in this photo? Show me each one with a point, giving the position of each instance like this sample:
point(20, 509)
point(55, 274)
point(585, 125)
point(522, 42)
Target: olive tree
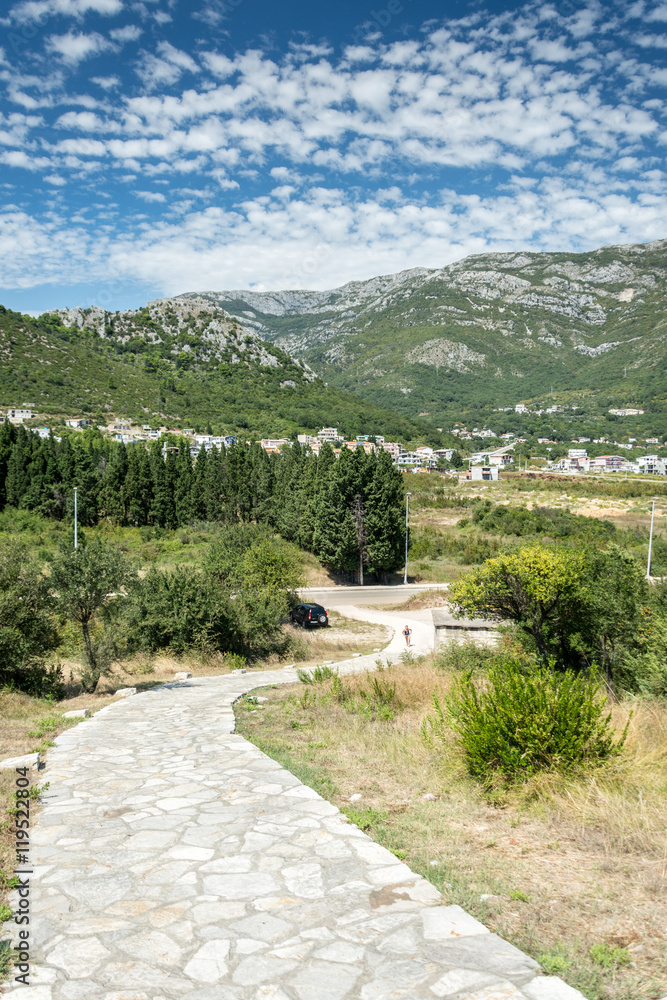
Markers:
point(83, 581)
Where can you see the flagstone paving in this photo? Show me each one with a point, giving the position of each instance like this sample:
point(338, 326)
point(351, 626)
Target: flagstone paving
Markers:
point(172, 859)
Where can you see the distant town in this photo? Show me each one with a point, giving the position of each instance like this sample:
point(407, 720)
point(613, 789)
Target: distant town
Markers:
point(481, 464)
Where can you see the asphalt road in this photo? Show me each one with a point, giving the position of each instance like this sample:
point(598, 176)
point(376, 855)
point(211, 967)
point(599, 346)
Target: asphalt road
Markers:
point(333, 597)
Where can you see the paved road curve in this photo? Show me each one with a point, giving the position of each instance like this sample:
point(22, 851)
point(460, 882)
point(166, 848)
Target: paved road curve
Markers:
point(334, 597)
point(174, 860)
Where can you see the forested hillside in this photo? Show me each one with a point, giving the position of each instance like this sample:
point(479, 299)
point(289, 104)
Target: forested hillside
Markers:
point(490, 330)
point(174, 361)
point(344, 510)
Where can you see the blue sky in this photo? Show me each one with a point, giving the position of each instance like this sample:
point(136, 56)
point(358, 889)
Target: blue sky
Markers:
point(152, 147)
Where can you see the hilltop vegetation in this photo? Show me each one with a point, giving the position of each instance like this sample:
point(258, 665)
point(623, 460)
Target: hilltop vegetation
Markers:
point(175, 362)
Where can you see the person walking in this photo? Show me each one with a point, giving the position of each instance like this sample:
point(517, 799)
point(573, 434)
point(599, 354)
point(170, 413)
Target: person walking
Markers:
point(407, 632)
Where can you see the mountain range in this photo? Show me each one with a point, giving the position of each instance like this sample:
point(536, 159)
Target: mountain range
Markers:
point(175, 361)
point(493, 329)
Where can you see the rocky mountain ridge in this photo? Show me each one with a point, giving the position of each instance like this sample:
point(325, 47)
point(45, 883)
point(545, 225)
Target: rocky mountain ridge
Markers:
point(186, 325)
point(523, 321)
point(176, 361)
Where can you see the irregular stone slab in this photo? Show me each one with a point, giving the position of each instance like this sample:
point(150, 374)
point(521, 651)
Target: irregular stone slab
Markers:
point(551, 988)
point(487, 953)
point(444, 922)
point(77, 713)
point(208, 964)
point(457, 980)
point(125, 692)
point(28, 760)
point(182, 675)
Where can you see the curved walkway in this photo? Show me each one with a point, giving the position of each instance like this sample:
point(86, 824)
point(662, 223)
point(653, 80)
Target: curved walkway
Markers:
point(172, 859)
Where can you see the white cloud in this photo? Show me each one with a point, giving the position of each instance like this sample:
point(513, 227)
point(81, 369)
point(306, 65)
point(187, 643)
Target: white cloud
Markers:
point(106, 82)
point(19, 158)
point(549, 139)
point(37, 10)
point(73, 48)
point(165, 68)
point(326, 238)
point(154, 196)
point(651, 41)
point(129, 33)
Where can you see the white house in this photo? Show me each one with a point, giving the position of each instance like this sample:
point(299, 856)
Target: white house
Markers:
point(329, 434)
point(653, 465)
point(608, 463)
point(16, 416)
point(486, 472)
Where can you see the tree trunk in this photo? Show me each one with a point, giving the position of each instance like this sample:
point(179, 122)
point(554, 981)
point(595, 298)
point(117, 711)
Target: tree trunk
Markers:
point(90, 655)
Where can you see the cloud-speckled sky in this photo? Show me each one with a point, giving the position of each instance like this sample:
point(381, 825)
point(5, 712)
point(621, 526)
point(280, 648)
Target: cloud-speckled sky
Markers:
point(151, 147)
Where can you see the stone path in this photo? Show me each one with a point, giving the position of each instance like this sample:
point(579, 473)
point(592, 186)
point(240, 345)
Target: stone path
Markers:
point(172, 859)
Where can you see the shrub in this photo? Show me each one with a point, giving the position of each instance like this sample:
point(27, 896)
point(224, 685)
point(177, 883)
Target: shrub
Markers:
point(318, 675)
point(517, 724)
point(466, 655)
point(610, 955)
point(27, 627)
point(184, 610)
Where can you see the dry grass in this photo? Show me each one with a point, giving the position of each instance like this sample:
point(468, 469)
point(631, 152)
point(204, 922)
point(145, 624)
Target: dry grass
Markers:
point(343, 637)
point(569, 862)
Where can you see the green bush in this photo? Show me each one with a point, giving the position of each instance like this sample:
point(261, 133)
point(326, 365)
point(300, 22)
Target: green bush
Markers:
point(516, 724)
point(28, 629)
point(645, 672)
point(317, 676)
point(184, 610)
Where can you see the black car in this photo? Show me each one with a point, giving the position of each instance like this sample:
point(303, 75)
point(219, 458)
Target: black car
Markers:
point(309, 614)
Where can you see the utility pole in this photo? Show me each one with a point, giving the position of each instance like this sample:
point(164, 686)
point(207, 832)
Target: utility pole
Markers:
point(650, 541)
point(407, 514)
point(75, 518)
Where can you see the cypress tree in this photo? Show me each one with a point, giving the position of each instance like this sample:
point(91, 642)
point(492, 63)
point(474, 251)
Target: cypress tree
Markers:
point(161, 511)
point(137, 493)
point(112, 492)
point(197, 491)
point(7, 439)
point(384, 516)
point(213, 499)
point(18, 479)
point(183, 484)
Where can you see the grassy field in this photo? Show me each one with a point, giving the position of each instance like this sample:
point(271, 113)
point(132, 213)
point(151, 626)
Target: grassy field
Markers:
point(439, 504)
point(572, 870)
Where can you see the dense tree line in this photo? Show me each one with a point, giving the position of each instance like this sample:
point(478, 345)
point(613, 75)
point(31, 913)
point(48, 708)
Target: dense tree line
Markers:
point(347, 511)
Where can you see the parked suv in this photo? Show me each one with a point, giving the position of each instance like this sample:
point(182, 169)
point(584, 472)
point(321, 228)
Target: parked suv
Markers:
point(309, 614)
